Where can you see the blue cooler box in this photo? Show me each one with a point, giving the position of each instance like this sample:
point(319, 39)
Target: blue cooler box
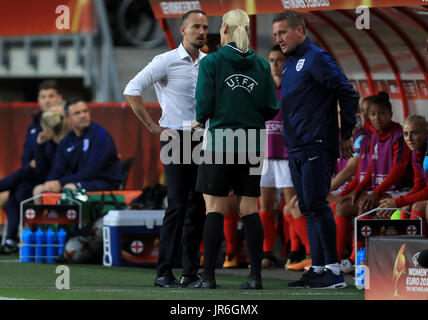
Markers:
point(131, 237)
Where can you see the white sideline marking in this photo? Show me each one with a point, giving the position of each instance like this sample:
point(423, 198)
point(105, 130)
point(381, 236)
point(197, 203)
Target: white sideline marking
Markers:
point(7, 298)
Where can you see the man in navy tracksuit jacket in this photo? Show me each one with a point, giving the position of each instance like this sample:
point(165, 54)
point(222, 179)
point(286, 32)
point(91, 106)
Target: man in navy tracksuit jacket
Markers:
point(85, 158)
point(312, 85)
point(18, 189)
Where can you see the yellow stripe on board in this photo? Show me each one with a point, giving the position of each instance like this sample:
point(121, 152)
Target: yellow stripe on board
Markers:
point(251, 6)
point(77, 15)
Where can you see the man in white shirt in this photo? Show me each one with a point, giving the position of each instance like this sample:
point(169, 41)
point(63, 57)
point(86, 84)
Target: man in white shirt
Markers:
point(174, 75)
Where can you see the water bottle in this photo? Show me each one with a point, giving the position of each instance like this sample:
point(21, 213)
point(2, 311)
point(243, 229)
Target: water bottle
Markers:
point(61, 236)
point(425, 163)
point(51, 249)
point(359, 272)
point(40, 245)
point(27, 250)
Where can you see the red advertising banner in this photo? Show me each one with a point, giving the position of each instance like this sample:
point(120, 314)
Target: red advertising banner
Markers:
point(393, 89)
point(365, 91)
point(380, 85)
point(29, 17)
point(165, 9)
point(393, 269)
point(410, 89)
point(422, 88)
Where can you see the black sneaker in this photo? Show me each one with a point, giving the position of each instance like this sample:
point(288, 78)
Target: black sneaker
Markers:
point(306, 279)
point(7, 249)
point(202, 283)
point(328, 280)
point(168, 281)
point(253, 283)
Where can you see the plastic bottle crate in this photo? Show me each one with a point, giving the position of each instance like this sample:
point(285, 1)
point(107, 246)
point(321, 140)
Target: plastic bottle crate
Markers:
point(42, 247)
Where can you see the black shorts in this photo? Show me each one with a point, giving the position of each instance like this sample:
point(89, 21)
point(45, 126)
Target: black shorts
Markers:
point(219, 179)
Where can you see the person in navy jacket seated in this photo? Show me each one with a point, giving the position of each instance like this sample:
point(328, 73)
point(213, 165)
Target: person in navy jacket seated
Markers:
point(86, 158)
point(49, 95)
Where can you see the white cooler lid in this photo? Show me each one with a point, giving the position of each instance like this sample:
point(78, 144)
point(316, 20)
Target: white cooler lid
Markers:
point(142, 218)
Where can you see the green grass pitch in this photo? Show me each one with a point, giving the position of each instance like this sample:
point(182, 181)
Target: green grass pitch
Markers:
point(96, 282)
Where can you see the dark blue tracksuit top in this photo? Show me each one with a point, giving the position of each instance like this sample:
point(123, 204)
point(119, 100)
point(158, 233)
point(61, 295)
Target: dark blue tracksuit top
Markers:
point(90, 157)
point(30, 143)
point(312, 85)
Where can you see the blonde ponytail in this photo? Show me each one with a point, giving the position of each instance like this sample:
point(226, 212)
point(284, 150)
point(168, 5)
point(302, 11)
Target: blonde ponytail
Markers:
point(238, 22)
point(55, 121)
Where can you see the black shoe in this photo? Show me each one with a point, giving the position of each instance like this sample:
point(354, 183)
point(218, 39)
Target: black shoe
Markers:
point(168, 281)
point(328, 280)
point(306, 280)
point(252, 284)
point(203, 284)
point(293, 257)
point(186, 280)
point(7, 249)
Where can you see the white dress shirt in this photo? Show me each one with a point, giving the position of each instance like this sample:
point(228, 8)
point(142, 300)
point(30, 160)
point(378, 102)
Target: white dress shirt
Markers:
point(174, 76)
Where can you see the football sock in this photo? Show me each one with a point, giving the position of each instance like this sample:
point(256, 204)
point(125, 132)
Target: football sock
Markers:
point(286, 236)
point(341, 233)
point(254, 235)
point(302, 232)
point(318, 269)
point(231, 232)
point(294, 237)
point(268, 222)
point(212, 237)
point(334, 267)
point(404, 215)
point(11, 242)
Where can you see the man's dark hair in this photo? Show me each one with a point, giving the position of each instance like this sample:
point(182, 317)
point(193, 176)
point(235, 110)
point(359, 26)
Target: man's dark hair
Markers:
point(293, 18)
point(276, 47)
point(70, 102)
point(49, 84)
point(188, 13)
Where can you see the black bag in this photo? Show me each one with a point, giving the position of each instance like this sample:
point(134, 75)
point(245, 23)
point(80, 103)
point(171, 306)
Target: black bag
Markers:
point(151, 198)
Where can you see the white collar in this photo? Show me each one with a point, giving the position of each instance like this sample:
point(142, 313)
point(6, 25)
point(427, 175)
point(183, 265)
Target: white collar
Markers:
point(182, 52)
point(235, 48)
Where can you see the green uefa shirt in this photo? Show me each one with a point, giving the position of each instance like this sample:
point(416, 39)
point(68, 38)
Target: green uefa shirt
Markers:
point(235, 91)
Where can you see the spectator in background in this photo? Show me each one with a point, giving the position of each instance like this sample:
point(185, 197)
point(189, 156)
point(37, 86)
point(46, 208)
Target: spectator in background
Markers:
point(49, 94)
point(86, 157)
point(54, 128)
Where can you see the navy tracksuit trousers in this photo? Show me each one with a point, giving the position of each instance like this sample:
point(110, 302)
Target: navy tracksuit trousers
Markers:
point(20, 185)
point(311, 172)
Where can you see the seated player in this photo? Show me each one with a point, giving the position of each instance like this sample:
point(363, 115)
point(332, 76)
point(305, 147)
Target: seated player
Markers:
point(415, 136)
point(383, 170)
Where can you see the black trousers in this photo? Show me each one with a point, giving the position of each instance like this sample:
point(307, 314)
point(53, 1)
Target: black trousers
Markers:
point(20, 185)
point(184, 218)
